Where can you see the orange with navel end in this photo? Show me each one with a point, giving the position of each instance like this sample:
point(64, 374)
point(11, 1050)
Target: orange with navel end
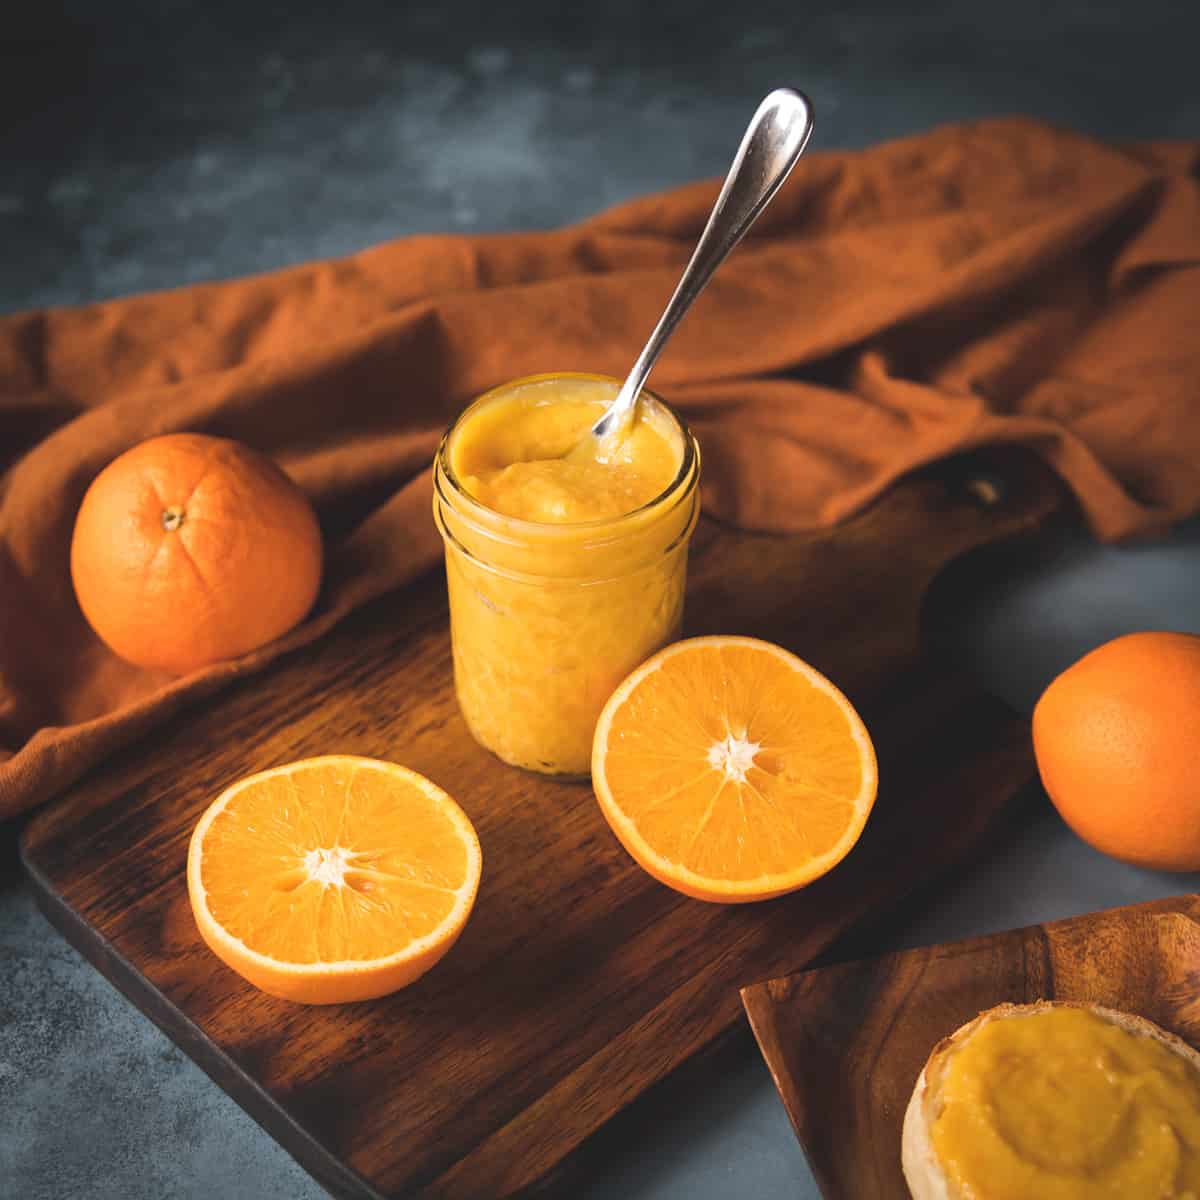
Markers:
point(1116, 737)
point(190, 549)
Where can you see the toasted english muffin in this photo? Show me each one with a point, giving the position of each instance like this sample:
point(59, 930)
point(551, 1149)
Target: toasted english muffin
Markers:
point(923, 1171)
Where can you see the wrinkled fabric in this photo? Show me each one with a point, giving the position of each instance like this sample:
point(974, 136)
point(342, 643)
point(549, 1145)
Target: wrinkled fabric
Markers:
point(1002, 281)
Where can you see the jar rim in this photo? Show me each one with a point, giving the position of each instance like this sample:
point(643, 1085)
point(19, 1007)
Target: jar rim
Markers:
point(688, 464)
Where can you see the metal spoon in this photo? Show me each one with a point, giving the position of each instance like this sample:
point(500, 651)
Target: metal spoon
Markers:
point(774, 140)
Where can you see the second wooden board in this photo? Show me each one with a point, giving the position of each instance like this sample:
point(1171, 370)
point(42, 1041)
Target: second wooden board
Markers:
point(846, 1043)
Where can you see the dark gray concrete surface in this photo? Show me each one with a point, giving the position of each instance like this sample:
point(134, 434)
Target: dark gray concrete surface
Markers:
point(144, 145)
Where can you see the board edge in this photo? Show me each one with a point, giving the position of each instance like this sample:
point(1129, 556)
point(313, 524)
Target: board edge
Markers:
point(325, 1169)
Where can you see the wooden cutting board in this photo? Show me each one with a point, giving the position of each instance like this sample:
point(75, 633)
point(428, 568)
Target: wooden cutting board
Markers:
point(579, 981)
point(846, 1043)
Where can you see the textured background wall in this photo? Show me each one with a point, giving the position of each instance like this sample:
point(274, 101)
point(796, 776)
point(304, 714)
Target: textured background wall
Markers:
point(148, 144)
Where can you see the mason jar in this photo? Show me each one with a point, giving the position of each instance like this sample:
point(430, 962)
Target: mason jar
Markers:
point(547, 619)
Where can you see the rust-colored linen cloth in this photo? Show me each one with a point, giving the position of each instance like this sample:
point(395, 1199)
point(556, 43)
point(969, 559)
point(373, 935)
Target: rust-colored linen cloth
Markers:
point(999, 281)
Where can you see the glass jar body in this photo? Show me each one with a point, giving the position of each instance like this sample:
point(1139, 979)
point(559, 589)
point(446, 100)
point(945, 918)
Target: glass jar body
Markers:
point(546, 620)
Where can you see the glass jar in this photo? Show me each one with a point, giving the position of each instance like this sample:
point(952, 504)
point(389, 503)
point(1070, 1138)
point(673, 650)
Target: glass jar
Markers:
point(547, 619)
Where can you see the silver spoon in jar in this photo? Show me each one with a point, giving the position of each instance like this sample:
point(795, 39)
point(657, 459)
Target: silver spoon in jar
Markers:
point(774, 140)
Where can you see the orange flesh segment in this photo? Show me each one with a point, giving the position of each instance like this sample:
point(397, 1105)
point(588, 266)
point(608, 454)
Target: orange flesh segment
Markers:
point(338, 863)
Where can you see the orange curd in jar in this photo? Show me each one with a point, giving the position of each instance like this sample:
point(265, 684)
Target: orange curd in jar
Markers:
point(562, 577)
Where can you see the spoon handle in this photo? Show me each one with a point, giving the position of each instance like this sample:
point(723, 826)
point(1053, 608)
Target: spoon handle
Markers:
point(774, 140)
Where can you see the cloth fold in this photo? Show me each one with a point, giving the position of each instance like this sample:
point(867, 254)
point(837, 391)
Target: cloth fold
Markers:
point(1003, 281)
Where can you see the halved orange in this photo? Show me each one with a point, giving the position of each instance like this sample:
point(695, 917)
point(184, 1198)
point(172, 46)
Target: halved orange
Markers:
point(731, 770)
point(332, 879)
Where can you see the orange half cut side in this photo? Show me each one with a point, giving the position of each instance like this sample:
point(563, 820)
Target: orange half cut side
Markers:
point(332, 879)
point(731, 770)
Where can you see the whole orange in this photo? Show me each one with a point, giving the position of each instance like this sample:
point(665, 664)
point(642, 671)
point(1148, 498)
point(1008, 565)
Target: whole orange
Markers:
point(1116, 738)
point(189, 549)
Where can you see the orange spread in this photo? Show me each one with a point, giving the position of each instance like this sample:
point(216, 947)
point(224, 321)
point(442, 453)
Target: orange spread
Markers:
point(509, 456)
point(1064, 1105)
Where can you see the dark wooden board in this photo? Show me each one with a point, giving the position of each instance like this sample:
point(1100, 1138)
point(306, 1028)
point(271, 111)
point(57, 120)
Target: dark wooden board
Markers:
point(846, 1043)
point(579, 981)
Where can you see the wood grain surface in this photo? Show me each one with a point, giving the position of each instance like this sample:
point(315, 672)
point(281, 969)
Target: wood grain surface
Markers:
point(579, 981)
point(846, 1043)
